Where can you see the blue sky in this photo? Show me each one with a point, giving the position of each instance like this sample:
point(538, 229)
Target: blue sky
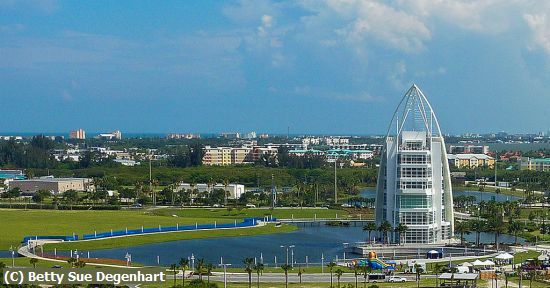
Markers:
point(315, 66)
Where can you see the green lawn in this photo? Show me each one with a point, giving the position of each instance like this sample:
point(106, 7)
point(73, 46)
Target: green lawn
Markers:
point(224, 213)
point(17, 224)
point(24, 262)
point(166, 237)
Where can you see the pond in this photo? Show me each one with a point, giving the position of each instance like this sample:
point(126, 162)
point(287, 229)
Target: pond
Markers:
point(312, 242)
point(480, 196)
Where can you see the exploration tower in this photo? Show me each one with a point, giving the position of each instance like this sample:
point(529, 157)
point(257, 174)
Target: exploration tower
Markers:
point(414, 184)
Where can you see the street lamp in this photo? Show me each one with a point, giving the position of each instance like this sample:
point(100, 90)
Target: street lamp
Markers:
point(287, 248)
point(12, 257)
point(224, 265)
point(192, 261)
point(345, 244)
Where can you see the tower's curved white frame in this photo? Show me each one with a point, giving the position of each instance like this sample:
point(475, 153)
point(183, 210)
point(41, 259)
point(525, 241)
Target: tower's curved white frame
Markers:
point(414, 184)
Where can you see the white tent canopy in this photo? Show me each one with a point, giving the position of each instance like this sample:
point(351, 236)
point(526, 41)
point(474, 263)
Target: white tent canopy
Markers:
point(477, 263)
point(467, 264)
point(488, 263)
point(504, 256)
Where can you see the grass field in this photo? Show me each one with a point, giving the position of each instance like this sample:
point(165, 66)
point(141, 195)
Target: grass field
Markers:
point(17, 224)
point(223, 213)
point(166, 237)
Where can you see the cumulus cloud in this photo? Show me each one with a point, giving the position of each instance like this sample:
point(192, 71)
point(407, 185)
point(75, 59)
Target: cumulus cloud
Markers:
point(540, 25)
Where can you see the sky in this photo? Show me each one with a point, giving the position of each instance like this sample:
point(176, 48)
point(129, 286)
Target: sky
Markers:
point(313, 66)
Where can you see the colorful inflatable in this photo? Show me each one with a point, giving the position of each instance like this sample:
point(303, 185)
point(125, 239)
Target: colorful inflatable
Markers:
point(374, 262)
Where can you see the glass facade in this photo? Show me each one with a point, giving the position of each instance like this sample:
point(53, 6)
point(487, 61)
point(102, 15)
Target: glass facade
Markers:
point(415, 201)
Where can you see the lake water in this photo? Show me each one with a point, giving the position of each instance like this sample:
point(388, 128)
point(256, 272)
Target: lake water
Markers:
point(480, 196)
point(313, 242)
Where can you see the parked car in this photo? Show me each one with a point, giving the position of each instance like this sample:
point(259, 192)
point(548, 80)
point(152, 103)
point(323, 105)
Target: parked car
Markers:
point(396, 279)
point(250, 206)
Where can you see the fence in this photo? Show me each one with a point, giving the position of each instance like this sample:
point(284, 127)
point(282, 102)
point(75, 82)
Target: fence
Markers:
point(247, 222)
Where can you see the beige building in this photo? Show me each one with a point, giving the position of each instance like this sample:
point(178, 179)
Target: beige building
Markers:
point(78, 134)
point(234, 155)
point(535, 164)
point(54, 185)
point(471, 160)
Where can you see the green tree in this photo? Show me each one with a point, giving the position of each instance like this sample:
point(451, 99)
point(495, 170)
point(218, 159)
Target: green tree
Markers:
point(201, 264)
point(331, 266)
point(401, 229)
point(33, 262)
point(183, 265)
point(514, 228)
point(70, 197)
point(248, 265)
point(385, 227)
point(208, 267)
point(366, 271)
point(339, 272)
point(174, 269)
point(286, 268)
point(259, 268)
point(371, 226)
point(418, 271)
point(462, 227)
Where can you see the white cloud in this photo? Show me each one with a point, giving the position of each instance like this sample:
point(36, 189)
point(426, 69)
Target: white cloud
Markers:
point(540, 25)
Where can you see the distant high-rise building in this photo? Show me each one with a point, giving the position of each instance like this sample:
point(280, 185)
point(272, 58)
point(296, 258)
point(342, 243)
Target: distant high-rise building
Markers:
point(115, 135)
point(78, 134)
point(414, 184)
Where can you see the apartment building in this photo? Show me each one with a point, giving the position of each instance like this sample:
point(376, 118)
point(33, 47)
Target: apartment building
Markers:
point(535, 164)
point(471, 160)
point(468, 149)
point(79, 134)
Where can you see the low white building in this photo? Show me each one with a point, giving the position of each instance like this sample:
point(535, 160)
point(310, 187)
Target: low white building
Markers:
point(235, 190)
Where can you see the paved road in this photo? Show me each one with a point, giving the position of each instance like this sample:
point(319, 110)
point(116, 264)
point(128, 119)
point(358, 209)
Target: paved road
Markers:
point(280, 277)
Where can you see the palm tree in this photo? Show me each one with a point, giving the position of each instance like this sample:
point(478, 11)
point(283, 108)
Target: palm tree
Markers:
point(209, 267)
point(300, 272)
point(496, 225)
point(248, 265)
point(174, 267)
point(2, 267)
point(366, 271)
point(371, 226)
point(259, 268)
point(462, 227)
point(418, 270)
point(401, 229)
point(33, 262)
point(356, 273)
point(437, 269)
point(384, 228)
point(184, 264)
point(478, 226)
point(200, 267)
point(225, 185)
point(338, 273)
point(331, 266)
point(514, 227)
point(285, 268)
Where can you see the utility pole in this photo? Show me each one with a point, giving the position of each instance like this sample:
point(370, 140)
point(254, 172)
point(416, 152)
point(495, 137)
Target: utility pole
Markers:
point(335, 185)
point(273, 192)
point(151, 181)
point(496, 157)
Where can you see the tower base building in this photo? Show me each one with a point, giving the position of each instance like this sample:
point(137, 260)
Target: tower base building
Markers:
point(414, 185)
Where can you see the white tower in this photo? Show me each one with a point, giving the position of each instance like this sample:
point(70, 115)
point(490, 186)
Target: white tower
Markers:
point(414, 185)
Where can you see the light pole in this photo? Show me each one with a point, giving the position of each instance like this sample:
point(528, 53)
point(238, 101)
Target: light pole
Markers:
point(192, 262)
point(335, 186)
point(345, 244)
point(287, 248)
point(322, 263)
point(129, 259)
point(224, 265)
point(12, 257)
